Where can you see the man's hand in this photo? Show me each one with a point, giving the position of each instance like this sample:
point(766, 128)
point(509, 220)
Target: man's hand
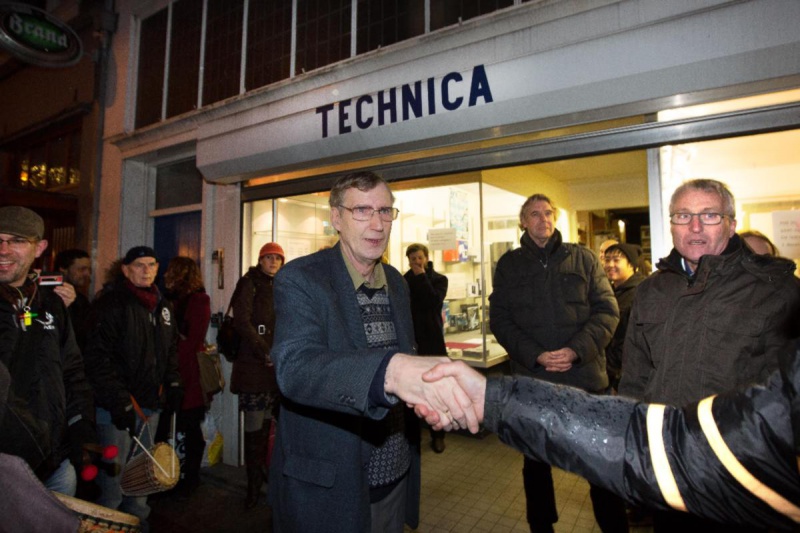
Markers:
point(471, 382)
point(417, 269)
point(453, 407)
point(558, 360)
point(67, 293)
point(124, 419)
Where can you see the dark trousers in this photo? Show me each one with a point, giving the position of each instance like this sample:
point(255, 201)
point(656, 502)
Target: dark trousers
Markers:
point(540, 496)
point(189, 422)
point(670, 521)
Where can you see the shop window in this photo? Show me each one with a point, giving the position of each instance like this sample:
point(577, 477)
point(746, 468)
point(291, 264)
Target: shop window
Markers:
point(269, 41)
point(178, 184)
point(323, 33)
point(150, 87)
point(50, 161)
point(385, 22)
point(223, 50)
point(449, 12)
point(184, 56)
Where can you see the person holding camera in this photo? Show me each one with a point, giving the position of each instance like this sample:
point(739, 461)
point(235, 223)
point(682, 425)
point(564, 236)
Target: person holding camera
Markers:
point(50, 414)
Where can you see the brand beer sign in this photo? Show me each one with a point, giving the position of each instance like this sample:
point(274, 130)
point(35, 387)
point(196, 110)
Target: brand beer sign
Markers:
point(32, 35)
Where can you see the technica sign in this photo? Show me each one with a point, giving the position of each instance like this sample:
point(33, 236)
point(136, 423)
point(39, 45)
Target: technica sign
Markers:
point(412, 100)
point(32, 35)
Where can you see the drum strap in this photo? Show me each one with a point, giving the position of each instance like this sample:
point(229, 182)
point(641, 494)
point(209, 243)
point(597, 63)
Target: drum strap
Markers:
point(138, 409)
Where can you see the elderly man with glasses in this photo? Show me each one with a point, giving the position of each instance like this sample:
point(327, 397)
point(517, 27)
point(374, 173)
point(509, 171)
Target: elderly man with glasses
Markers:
point(715, 317)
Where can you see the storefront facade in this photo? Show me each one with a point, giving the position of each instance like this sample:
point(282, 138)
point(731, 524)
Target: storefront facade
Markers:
point(571, 99)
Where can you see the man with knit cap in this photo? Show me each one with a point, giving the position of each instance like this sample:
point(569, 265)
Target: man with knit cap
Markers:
point(50, 413)
point(253, 375)
point(132, 363)
point(620, 263)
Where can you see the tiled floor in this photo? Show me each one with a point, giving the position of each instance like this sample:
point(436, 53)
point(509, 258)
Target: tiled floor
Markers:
point(476, 486)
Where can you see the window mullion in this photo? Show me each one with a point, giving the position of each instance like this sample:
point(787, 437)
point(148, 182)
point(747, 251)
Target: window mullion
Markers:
point(165, 85)
point(201, 77)
point(243, 66)
point(293, 51)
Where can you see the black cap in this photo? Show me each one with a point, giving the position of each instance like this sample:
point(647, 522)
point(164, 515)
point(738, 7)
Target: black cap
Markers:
point(631, 251)
point(139, 251)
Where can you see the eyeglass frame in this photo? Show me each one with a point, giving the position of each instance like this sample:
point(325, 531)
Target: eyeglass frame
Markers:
point(16, 243)
point(393, 211)
point(699, 216)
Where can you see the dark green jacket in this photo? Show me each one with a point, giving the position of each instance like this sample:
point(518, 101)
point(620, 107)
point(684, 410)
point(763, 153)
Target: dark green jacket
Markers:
point(723, 328)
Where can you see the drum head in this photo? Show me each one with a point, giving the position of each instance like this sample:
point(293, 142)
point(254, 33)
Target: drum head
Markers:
point(94, 516)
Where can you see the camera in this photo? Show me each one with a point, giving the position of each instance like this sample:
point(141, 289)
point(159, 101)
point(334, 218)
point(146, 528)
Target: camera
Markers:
point(51, 279)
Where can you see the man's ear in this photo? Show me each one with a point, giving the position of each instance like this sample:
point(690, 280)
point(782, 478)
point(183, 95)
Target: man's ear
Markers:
point(41, 246)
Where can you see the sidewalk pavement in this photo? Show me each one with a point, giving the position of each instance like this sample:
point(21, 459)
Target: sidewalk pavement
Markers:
point(216, 506)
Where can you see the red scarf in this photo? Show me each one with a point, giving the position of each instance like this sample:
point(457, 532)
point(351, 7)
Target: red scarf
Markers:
point(149, 296)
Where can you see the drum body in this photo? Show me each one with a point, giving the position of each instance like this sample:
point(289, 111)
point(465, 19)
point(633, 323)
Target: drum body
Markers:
point(98, 519)
point(141, 476)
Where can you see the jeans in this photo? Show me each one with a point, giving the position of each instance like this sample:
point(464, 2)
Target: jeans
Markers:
point(108, 479)
point(63, 480)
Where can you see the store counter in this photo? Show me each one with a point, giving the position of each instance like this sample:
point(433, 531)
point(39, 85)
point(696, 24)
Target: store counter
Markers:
point(468, 346)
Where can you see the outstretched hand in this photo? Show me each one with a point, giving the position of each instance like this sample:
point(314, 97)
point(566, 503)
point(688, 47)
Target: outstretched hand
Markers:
point(442, 398)
point(471, 382)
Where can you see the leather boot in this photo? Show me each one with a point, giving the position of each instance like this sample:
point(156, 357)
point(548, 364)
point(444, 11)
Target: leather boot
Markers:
point(255, 458)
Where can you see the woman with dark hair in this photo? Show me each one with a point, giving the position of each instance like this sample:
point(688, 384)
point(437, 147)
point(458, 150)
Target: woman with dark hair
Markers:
point(186, 291)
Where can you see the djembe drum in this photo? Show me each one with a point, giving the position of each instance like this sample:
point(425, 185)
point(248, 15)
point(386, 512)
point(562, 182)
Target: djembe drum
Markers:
point(98, 519)
point(150, 472)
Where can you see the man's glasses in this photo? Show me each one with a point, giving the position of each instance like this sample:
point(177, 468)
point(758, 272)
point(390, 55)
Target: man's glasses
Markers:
point(363, 213)
point(16, 243)
point(706, 219)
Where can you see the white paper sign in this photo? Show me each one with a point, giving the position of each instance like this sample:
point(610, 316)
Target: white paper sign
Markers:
point(442, 239)
point(786, 228)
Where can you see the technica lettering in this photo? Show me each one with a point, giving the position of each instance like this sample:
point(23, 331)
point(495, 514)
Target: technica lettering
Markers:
point(410, 101)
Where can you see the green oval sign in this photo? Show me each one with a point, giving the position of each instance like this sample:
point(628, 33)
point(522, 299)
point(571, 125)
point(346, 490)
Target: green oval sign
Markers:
point(32, 35)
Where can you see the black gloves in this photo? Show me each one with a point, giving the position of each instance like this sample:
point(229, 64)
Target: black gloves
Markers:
point(124, 419)
point(81, 432)
point(174, 398)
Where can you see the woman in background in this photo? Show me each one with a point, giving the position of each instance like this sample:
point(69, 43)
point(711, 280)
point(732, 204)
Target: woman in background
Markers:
point(253, 377)
point(192, 306)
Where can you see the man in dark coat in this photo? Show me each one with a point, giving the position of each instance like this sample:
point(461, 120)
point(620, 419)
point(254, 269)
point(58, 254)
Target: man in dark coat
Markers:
point(346, 457)
point(76, 266)
point(50, 413)
point(553, 310)
point(132, 362)
point(427, 289)
point(714, 316)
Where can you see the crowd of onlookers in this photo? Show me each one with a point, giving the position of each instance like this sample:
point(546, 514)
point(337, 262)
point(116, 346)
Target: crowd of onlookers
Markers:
point(337, 346)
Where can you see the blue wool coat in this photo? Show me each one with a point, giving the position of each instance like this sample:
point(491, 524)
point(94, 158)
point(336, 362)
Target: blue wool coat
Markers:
point(318, 476)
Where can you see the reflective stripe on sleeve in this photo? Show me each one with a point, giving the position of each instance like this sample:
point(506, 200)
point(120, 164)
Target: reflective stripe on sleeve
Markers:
point(658, 455)
point(736, 469)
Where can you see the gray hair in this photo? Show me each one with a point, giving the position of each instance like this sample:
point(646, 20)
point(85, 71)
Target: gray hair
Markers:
point(536, 198)
point(709, 186)
point(363, 181)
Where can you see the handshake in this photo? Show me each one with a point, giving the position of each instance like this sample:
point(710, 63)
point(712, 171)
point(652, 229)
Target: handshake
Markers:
point(447, 394)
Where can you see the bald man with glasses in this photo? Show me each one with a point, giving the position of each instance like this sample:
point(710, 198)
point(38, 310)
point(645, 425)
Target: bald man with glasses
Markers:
point(714, 317)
